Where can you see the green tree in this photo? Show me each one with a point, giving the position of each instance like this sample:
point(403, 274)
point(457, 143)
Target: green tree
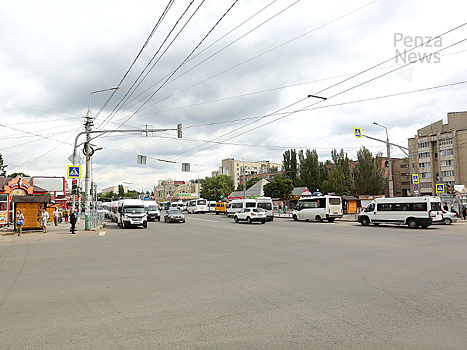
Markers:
point(290, 166)
point(279, 188)
point(310, 174)
point(215, 187)
point(369, 174)
point(16, 174)
point(121, 191)
point(342, 165)
point(335, 182)
point(2, 166)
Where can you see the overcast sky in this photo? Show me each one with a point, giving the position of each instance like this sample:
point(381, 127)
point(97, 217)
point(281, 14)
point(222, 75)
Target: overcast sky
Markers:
point(262, 59)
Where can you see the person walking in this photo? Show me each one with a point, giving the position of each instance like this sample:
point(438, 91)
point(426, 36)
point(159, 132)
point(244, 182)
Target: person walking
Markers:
point(65, 214)
point(464, 212)
point(44, 219)
point(19, 222)
point(73, 222)
point(56, 215)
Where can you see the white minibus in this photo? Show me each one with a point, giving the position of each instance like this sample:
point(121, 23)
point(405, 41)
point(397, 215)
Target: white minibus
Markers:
point(131, 212)
point(266, 204)
point(411, 211)
point(238, 204)
point(212, 206)
point(318, 208)
point(197, 206)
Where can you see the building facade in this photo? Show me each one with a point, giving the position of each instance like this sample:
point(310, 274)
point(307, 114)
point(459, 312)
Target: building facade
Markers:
point(237, 168)
point(439, 152)
point(175, 190)
point(113, 189)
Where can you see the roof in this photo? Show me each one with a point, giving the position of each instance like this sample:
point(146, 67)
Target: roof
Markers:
point(31, 198)
point(350, 198)
point(297, 191)
point(257, 190)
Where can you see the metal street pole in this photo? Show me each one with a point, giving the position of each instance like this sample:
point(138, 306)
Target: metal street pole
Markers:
point(87, 200)
point(388, 147)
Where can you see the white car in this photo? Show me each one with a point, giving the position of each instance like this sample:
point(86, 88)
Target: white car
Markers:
point(250, 214)
point(449, 217)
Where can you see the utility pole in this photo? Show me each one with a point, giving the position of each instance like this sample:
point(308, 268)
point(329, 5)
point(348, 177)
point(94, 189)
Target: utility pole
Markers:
point(388, 147)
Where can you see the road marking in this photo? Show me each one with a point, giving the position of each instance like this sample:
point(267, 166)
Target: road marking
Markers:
point(102, 233)
point(201, 219)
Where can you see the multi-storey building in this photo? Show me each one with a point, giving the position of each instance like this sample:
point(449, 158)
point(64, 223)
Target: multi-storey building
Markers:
point(236, 168)
point(113, 189)
point(440, 155)
point(174, 190)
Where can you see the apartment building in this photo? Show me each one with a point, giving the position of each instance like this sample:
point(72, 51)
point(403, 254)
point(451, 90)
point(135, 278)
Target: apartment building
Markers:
point(236, 168)
point(440, 155)
point(113, 189)
point(174, 190)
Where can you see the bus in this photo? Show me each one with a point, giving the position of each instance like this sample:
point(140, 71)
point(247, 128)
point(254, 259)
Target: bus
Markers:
point(410, 211)
point(197, 206)
point(239, 204)
point(318, 208)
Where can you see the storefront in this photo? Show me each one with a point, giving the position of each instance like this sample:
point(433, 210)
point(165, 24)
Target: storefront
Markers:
point(11, 188)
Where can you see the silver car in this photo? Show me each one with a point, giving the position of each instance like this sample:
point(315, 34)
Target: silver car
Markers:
point(174, 215)
point(449, 217)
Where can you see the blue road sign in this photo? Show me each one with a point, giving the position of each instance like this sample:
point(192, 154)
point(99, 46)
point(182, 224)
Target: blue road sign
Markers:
point(74, 172)
point(357, 133)
point(439, 188)
point(415, 178)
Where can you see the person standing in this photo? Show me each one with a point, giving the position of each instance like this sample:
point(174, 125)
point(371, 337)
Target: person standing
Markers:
point(65, 214)
point(44, 219)
point(73, 222)
point(56, 215)
point(464, 212)
point(19, 222)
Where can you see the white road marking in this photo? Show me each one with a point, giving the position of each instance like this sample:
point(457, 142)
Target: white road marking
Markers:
point(201, 219)
point(102, 233)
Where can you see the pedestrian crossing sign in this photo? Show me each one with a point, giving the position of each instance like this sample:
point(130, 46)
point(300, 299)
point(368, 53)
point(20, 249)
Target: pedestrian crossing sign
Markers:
point(415, 179)
point(74, 172)
point(439, 188)
point(358, 133)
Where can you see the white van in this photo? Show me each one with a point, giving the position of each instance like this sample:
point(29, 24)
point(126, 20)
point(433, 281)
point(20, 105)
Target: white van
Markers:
point(411, 211)
point(318, 208)
point(197, 206)
point(131, 213)
point(212, 206)
point(238, 204)
point(152, 210)
point(266, 204)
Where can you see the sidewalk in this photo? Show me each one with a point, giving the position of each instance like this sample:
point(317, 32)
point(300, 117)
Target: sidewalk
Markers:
point(8, 235)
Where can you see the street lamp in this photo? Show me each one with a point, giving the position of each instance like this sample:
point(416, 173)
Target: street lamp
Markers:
point(87, 201)
point(391, 187)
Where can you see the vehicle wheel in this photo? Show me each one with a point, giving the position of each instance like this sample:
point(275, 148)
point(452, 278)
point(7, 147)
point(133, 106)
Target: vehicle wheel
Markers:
point(412, 223)
point(166, 219)
point(123, 224)
point(159, 219)
point(145, 225)
point(318, 218)
point(376, 223)
point(424, 226)
point(365, 221)
point(183, 221)
point(447, 221)
point(217, 213)
point(295, 218)
point(235, 219)
point(331, 220)
point(248, 220)
point(263, 222)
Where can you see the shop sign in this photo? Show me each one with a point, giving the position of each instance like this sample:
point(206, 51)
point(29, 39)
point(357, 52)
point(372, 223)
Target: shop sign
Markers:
point(18, 186)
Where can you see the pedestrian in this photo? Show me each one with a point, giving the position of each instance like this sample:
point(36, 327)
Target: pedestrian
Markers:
point(445, 207)
point(44, 219)
point(464, 212)
point(66, 215)
point(279, 211)
point(19, 222)
point(73, 222)
point(56, 215)
point(78, 216)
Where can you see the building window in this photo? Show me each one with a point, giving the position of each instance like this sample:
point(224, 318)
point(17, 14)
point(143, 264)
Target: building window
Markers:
point(424, 155)
point(445, 142)
point(424, 165)
point(447, 173)
point(446, 152)
point(425, 175)
point(425, 185)
point(404, 165)
point(423, 145)
point(448, 162)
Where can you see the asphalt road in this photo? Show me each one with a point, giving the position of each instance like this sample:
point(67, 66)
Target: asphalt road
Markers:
point(213, 284)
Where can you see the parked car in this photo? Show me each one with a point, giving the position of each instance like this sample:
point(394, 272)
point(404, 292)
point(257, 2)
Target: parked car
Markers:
point(449, 217)
point(250, 214)
point(174, 215)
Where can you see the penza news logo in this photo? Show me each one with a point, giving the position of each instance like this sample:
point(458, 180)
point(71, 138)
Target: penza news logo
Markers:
point(411, 49)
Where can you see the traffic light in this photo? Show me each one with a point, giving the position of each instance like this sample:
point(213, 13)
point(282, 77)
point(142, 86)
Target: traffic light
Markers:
point(74, 186)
